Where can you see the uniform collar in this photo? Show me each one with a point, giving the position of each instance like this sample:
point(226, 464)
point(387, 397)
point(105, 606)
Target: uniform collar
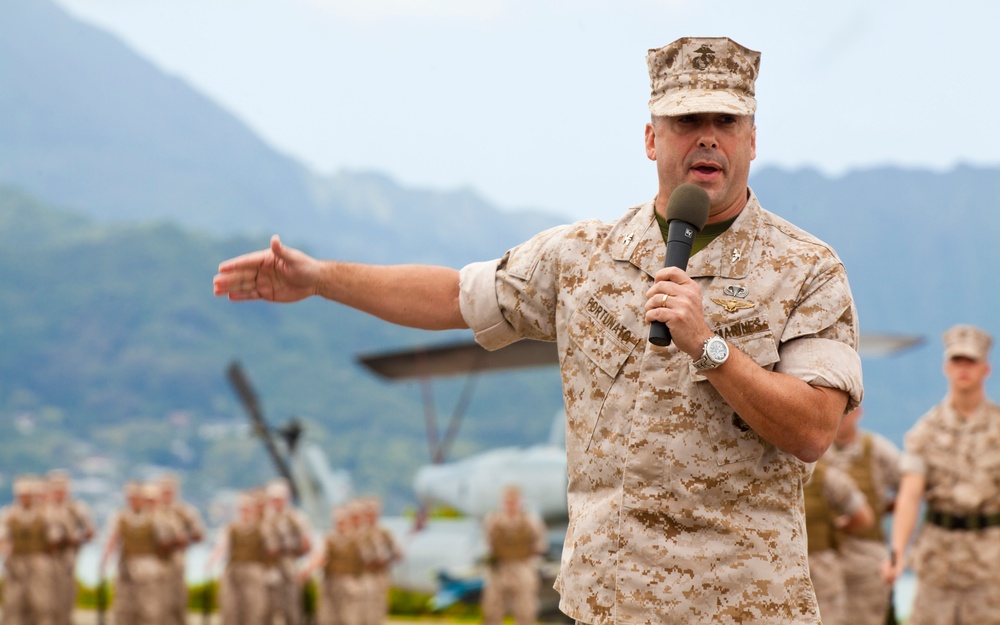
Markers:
point(956, 420)
point(641, 243)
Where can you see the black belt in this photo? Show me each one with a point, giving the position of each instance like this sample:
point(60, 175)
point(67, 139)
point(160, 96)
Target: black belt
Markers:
point(963, 522)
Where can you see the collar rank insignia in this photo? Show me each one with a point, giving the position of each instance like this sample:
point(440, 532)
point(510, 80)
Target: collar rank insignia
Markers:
point(732, 305)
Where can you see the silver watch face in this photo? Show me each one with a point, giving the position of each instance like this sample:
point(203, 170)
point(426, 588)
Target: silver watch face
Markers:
point(717, 350)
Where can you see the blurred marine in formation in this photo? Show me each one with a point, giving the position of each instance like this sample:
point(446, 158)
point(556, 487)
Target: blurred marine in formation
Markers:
point(340, 558)
point(248, 550)
point(186, 528)
point(142, 537)
point(951, 461)
point(29, 541)
point(293, 536)
point(379, 552)
point(77, 528)
point(516, 538)
point(834, 506)
point(872, 461)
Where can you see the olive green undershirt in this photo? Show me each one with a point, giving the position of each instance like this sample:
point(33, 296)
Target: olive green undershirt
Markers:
point(703, 238)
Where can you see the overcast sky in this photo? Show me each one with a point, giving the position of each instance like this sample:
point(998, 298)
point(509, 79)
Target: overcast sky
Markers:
point(542, 103)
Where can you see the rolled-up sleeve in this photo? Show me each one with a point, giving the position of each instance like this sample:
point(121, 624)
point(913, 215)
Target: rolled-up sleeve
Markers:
point(480, 307)
point(824, 362)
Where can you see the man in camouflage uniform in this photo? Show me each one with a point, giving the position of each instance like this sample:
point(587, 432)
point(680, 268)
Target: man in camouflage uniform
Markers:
point(834, 505)
point(29, 539)
point(142, 537)
point(515, 538)
point(951, 460)
point(341, 594)
point(78, 528)
point(872, 461)
point(379, 551)
point(685, 462)
point(187, 528)
point(293, 535)
point(248, 550)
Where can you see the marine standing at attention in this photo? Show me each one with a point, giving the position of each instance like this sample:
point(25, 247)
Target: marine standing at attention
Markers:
point(516, 538)
point(28, 544)
point(951, 460)
point(872, 461)
point(685, 462)
point(142, 537)
point(187, 528)
point(835, 506)
point(77, 524)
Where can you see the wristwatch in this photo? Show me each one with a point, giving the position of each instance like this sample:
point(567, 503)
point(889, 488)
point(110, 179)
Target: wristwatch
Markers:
point(714, 353)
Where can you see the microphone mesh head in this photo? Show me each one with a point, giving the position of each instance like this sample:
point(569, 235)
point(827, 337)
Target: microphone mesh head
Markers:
point(688, 203)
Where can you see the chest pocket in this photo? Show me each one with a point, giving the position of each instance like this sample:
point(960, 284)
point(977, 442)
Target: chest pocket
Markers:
point(602, 338)
point(599, 345)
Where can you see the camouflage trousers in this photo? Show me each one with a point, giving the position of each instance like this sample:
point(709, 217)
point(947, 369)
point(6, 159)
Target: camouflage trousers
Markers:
point(828, 581)
point(861, 561)
point(64, 584)
point(243, 597)
point(175, 590)
point(511, 587)
point(286, 594)
point(139, 597)
point(341, 601)
point(375, 608)
point(979, 605)
point(28, 590)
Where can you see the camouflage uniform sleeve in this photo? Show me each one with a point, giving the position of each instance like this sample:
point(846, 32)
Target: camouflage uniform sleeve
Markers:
point(85, 518)
point(526, 279)
point(820, 341)
point(489, 521)
point(165, 530)
point(841, 493)
point(914, 446)
point(195, 523)
point(56, 526)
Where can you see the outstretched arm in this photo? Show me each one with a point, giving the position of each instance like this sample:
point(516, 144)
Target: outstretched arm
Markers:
point(418, 296)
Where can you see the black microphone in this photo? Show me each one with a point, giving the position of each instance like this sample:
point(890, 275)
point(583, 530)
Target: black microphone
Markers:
point(687, 212)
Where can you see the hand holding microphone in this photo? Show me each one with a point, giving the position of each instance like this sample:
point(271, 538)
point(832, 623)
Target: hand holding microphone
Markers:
point(686, 214)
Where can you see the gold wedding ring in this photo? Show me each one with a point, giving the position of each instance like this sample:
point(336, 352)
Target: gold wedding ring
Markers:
point(663, 300)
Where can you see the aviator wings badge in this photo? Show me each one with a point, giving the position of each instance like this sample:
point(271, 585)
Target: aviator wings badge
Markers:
point(732, 305)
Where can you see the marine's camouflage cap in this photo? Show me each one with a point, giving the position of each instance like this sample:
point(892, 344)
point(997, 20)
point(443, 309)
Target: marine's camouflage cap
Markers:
point(702, 75)
point(966, 341)
point(27, 485)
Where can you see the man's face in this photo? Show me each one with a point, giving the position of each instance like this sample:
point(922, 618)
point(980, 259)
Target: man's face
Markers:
point(512, 501)
point(711, 150)
point(58, 493)
point(966, 374)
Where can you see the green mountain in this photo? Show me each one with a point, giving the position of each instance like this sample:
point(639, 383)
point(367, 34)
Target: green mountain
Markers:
point(113, 346)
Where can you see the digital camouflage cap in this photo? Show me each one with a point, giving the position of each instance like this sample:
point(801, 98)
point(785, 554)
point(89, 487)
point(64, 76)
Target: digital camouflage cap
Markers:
point(702, 75)
point(966, 341)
